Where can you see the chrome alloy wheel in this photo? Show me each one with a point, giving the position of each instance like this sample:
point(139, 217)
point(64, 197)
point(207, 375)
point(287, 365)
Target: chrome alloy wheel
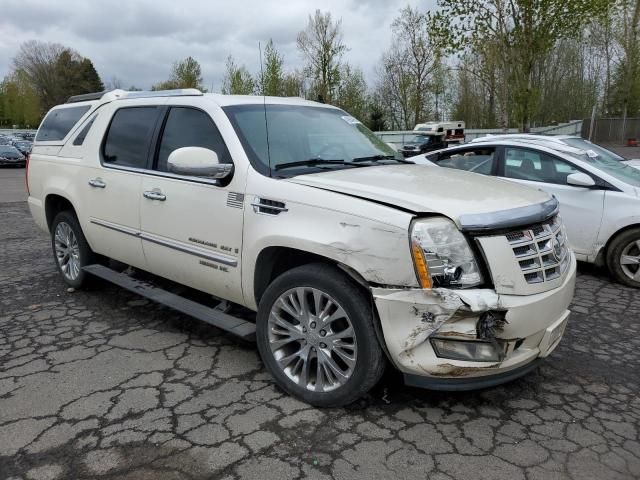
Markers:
point(312, 339)
point(630, 260)
point(67, 251)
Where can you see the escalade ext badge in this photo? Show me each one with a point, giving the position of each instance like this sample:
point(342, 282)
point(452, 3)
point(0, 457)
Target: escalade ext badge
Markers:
point(513, 217)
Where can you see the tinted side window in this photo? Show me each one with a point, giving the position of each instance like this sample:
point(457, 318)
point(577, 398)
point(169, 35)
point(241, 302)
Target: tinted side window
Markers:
point(59, 122)
point(79, 140)
point(535, 166)
point(129, 136)
point(188, 127)
point(478, 160)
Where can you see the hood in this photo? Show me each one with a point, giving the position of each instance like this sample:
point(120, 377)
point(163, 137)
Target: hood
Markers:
point(421, 189)
point(634, 162)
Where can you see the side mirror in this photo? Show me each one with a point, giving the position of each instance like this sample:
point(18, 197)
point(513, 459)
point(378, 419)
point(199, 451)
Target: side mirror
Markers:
point(198, 162)
point(580, 180)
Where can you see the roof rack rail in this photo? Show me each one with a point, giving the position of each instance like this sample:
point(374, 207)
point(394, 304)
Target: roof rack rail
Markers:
point(179, 92)
point(85, 96)
point(122, 94)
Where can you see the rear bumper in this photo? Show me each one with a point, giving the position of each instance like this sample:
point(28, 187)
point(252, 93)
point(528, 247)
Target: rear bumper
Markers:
point(410, 318)
point(38, 213)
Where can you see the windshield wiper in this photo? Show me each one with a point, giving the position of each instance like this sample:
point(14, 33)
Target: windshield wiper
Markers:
point(375, 158)
point(313, 162)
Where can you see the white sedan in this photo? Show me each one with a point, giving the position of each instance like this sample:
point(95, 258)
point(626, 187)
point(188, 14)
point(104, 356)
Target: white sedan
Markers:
point(599, 197)
point(570, 140)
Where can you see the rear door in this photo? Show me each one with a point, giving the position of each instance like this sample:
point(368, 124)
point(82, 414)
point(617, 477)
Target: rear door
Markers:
point(113, 183)
point(192, 227)
point(581, 208)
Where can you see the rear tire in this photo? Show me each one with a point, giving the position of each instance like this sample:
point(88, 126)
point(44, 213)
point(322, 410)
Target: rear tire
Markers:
point(316, 336)
point(623, 258)
point(71, 251)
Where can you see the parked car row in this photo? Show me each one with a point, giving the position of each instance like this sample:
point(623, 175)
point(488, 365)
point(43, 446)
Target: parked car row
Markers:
point(14, 150)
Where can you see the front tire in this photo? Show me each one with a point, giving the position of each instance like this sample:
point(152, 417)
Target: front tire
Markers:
point(70, 249)
point(316, 336)
point(623, 258)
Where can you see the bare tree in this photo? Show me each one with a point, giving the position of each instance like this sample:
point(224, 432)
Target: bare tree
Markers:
point(406, 70)
point(38, 62)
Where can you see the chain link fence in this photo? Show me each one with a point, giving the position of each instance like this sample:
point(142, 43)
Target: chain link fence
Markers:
point(612, 130)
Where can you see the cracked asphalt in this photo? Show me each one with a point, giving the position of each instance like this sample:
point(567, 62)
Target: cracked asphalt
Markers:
point(102, 384)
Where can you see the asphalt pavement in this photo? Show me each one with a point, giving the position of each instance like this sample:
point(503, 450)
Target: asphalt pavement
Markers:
point(103, 384)
point(12, 185)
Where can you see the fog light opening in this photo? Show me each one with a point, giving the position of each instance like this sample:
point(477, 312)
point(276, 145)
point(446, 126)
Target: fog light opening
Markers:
point(468, 350)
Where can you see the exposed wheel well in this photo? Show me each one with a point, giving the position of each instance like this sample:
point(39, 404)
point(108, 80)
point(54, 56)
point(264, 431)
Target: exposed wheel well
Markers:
point(601, 259)
point(274, 261)
point(55, 204)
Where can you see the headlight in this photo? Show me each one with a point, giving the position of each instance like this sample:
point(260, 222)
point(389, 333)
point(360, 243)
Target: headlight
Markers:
point(442, 256)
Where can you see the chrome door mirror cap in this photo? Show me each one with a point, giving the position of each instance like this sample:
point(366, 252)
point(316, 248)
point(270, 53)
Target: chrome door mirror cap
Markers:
point(198, 162)
point(580, 180)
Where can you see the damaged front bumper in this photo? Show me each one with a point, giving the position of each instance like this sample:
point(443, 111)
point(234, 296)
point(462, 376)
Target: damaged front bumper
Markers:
point(411, 319)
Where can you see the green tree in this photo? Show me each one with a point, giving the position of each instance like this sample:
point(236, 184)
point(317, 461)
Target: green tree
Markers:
point(273, 79)
point(322, 47)
point(237, 80)
point(626, 83)
point(19, 103)
point(186, 73)
point(293, 85)
point(351, 93)
point(525, 31)
point(376, 119)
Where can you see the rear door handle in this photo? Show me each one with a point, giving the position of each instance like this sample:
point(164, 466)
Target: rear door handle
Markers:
point(97, 183)
point(154, 195)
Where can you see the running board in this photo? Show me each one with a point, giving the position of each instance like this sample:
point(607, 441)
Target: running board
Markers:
point(237, 326)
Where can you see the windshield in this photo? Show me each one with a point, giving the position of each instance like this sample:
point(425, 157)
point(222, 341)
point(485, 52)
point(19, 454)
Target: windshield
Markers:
point(420, 139)
point(615, 168)
point(298, 133)
point(7, 149)
point(583, 144)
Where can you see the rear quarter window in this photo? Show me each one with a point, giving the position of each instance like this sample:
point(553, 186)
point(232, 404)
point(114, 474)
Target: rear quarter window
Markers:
point(59, 122)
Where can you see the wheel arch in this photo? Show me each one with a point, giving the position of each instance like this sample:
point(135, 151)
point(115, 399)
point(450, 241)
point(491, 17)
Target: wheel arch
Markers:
point(273, 261)
point(601, 257)
point(55, 203)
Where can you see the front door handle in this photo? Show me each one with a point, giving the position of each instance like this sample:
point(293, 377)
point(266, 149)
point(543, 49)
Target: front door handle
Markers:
point(154, 195)
point(97, 183)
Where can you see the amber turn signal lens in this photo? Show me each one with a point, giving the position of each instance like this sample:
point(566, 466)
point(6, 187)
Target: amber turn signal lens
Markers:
point(422, 271)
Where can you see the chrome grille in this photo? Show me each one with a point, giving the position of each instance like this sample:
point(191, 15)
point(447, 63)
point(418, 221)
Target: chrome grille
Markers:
point(542, 251)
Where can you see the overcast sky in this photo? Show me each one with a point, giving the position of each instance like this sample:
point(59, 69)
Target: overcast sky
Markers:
point(138, 40)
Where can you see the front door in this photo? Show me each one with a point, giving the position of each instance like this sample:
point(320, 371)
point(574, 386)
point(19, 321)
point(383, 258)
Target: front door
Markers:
point(191, 228)
point(581, 208)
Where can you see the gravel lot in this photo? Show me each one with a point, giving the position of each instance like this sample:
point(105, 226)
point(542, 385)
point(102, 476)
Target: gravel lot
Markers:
point(102, 384)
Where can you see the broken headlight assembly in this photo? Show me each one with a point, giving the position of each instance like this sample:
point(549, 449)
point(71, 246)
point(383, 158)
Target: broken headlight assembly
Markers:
point(442, 256)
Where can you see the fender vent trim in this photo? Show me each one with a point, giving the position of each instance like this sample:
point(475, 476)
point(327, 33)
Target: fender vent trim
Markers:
point(266, 206)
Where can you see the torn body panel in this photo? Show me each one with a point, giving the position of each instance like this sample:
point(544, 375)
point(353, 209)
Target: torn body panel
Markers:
point(409, 317)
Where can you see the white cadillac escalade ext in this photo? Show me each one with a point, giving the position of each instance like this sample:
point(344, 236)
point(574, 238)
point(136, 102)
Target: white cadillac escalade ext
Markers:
point(350, 255)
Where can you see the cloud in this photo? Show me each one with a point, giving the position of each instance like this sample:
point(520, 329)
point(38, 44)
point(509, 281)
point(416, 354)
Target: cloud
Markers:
point(137, 41)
